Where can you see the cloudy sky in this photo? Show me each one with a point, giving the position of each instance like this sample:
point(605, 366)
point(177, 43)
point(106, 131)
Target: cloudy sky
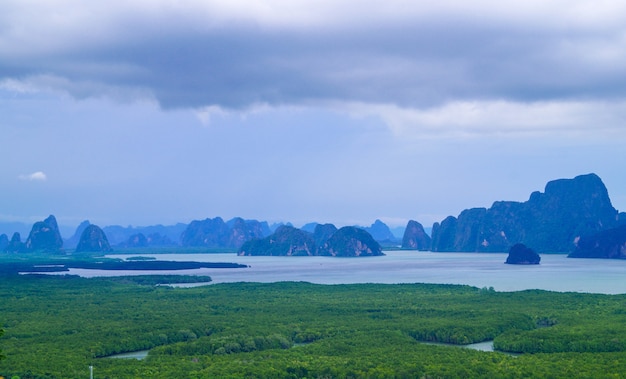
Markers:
point(344, 111)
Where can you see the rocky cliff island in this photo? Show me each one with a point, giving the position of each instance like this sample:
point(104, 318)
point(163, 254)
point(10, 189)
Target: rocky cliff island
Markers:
point(348, 241)
point(610, 243)
point(522, 255)
point(550, 221)
point(93, 240)
point(351, 242)
point(415, 237)
point(45, 236)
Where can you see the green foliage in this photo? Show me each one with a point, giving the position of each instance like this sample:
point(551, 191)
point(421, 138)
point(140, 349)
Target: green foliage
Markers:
point(41, 265)
point(229, 344)
point(141, 258)
point(153, 280)
point(1, 333)
point(56, 327)
point(468, 327)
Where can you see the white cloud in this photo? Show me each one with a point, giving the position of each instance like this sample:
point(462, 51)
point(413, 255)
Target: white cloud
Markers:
point(208, 113)
point(78, 89)
point(77, 24)
point(17, 86)
point(38, 176)
point(205, 114)
point(63, 15)
point(467, 119)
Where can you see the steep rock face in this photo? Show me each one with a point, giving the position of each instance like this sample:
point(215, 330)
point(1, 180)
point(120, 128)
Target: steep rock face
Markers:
point(137, 240)
point(621, 218)
point(216, 233)
point(504, 224)
point(350, 241)
point(242, 231)
point(610, 243)
point(208, 233)
point(322, 233)
point(157, 239)
point(287, 240)
point(415, 238)
point(260, 228)
point(381, 232)
point(119, 235)
point(93, 240)
point(274, 227)
point(72, 242)
point(567, 210)
point(45, 236)
point(140, 240)
point(468, 229)
point(16, 245)
point(549, 221)
point(4, 242)
point(522, 255)
point(310, 227)
point(444, 235)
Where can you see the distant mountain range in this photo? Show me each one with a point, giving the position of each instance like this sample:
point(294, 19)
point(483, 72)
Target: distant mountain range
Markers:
point(553, 221)
point(196, 233)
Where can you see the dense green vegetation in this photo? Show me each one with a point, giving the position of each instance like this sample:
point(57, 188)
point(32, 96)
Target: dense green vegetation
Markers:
point(1, 333)
point(154, 280)
point(56, 327)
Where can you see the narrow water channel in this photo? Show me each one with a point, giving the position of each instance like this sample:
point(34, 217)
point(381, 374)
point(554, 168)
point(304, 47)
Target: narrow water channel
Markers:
point(480, 346)
point(140, 354)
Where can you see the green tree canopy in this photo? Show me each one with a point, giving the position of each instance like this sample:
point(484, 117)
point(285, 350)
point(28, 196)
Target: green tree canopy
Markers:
point(1, 333)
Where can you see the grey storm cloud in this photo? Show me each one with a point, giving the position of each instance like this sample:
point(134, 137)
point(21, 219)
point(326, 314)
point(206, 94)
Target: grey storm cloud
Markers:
point(409, 62)
point(304, 109)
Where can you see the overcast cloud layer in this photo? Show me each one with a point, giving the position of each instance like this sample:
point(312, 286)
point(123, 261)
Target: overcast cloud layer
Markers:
point(334, 111)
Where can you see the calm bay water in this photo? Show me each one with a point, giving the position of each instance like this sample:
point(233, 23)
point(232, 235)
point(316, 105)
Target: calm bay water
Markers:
point(555, 273)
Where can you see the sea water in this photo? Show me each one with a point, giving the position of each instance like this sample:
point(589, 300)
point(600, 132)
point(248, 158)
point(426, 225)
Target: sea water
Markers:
point(555, 273)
